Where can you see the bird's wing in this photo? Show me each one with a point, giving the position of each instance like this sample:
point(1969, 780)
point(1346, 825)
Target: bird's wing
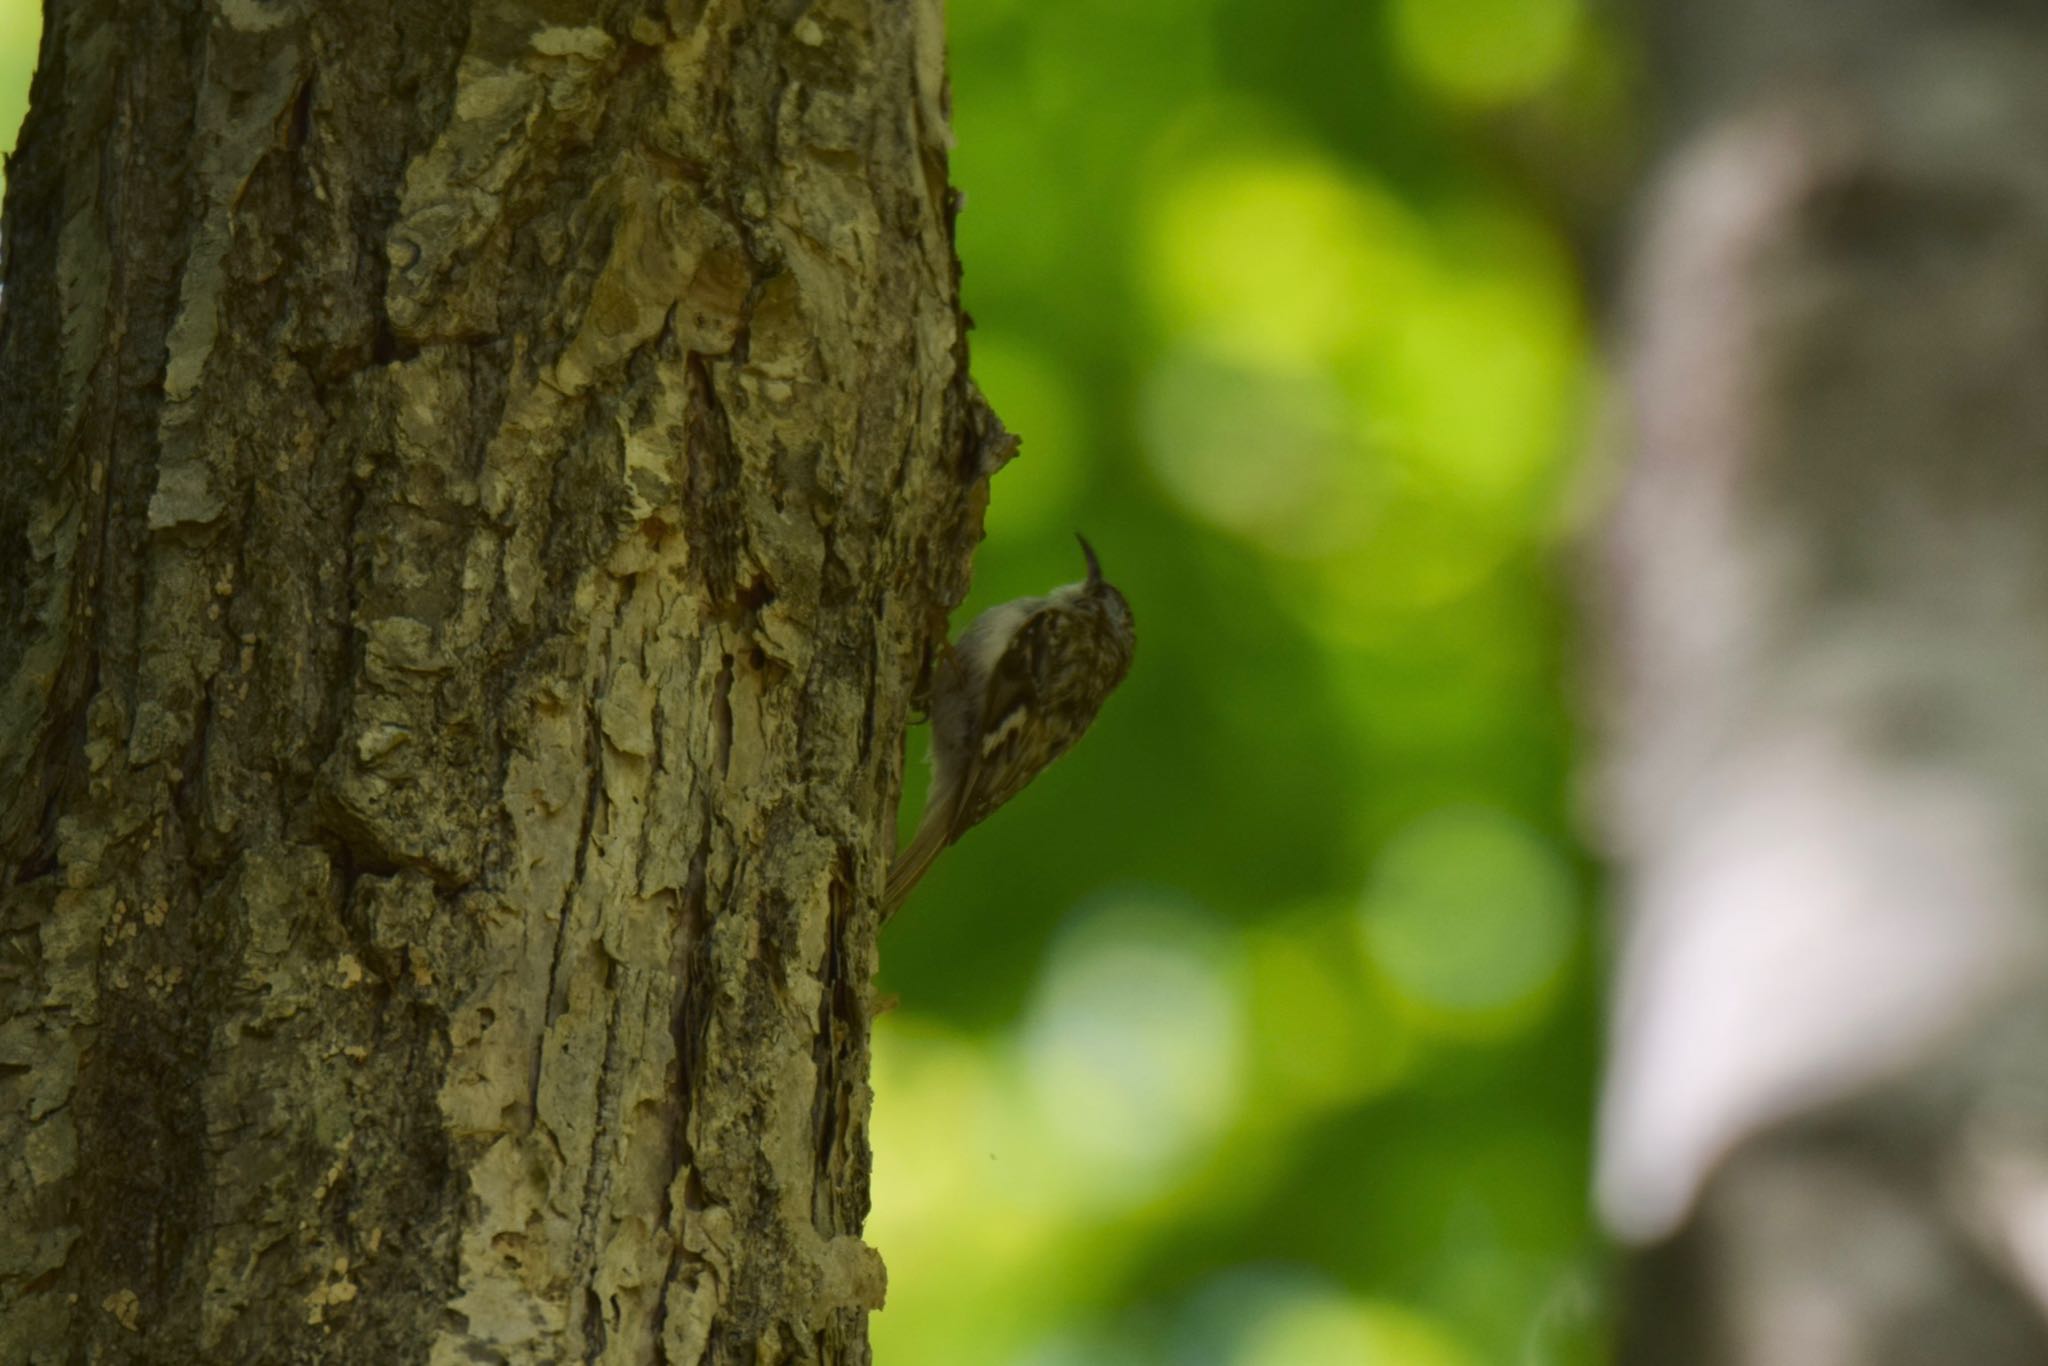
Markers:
point(1021, 685)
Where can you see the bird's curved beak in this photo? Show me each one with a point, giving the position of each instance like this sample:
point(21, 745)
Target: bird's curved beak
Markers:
point(1094, 565)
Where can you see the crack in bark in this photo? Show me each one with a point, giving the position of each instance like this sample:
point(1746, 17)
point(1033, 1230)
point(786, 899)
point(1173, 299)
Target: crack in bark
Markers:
point(564, 924)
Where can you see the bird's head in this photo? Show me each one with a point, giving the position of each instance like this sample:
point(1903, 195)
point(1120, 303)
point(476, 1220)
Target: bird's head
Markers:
point(1103, 596)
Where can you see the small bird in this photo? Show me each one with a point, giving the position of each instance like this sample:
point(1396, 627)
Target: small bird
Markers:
point(1015, 692)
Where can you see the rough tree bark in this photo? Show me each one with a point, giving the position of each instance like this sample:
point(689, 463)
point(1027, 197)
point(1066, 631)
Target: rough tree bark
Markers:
point(479, 481)
point(1825, 1115)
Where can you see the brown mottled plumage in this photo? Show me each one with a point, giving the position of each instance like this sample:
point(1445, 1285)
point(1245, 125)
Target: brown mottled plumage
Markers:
point(1015, 692)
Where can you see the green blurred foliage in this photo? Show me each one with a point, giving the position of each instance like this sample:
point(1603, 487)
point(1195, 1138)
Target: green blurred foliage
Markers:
point(1260, 1031)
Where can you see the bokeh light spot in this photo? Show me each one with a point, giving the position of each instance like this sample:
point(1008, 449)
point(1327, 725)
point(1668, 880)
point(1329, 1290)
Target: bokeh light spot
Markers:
point(1469, 914)
point(1267, 452)
point(1132, 1049)
point(1284, 1316)
point(1486, 51)
point(1481, 378)
point(1397, 1335)
point(943, 1098)
point(1327, 1329)
point(1278, 255)
point(1323, 1031)
point(1332, 1331)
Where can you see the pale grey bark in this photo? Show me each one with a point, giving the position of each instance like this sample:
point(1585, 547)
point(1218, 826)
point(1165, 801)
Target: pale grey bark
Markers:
point(1826, 1115)
point(479, 483)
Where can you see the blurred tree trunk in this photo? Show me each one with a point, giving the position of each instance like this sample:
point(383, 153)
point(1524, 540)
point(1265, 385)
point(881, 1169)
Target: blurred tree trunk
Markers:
point(1826, 1120)
point(476, 494)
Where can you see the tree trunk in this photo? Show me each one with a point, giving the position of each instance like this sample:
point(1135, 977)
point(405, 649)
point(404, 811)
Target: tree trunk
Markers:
point(479, 491)
point(1829, 627)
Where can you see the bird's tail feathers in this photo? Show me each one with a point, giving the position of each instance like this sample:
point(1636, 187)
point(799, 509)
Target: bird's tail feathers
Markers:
point(917, 856)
